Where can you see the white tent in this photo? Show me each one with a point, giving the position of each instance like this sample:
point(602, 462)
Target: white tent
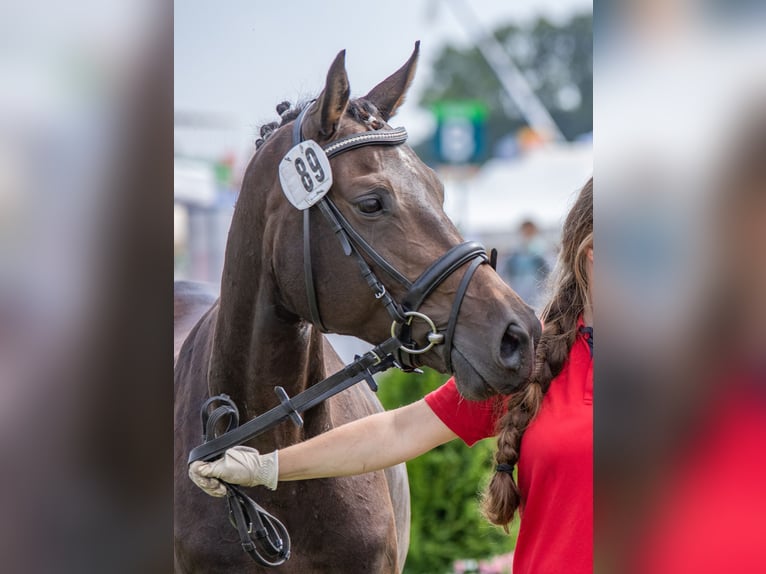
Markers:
point(539, 185)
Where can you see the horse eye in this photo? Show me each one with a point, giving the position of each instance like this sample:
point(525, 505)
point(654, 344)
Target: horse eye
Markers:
point(370, 206)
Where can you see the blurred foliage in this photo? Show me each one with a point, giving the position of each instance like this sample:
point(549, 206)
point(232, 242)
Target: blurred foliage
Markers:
point(444, 486)
point(557, 61)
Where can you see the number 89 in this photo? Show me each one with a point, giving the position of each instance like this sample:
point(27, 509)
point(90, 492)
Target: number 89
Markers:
point(315, 166)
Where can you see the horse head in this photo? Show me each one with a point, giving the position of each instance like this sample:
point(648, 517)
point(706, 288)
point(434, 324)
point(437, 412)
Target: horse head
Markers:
point(394, 204)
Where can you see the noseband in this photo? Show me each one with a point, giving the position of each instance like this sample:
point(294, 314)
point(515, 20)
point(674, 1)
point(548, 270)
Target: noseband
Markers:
point(353, 244)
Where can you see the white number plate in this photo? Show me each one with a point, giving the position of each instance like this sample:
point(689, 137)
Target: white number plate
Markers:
point(305, 174)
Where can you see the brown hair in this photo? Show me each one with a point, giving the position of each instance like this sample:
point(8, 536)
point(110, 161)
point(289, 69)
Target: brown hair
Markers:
point(570, 295)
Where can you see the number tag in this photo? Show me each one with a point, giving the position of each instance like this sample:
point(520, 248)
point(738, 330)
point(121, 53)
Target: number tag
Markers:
point(305, 174)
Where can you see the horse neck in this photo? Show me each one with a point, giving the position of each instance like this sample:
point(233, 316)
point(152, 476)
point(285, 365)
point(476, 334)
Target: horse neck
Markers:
point(257, 345)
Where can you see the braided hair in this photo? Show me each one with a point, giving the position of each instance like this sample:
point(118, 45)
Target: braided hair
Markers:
point(570, 295)
point(360, 109)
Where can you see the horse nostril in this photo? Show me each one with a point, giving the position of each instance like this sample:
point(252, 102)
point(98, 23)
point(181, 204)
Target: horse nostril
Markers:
point(512, 346)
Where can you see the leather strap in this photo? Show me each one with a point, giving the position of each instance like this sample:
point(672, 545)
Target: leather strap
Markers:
point(461, 291)
point(362, 244)
point(429, 280)
point(308, 273)
point(374, 361)
point(226, 408)
point(261, 534)
point(341, 230)
point(298, 124)
point(442, 268)
point(395, 136)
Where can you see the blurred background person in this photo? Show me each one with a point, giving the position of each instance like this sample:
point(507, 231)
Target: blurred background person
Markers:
point(527, 267)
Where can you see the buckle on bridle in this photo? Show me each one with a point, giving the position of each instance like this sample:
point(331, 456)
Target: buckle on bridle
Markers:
point(434, 337)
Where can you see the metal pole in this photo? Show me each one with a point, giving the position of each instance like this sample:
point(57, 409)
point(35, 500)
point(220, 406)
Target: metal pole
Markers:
point(510, 77)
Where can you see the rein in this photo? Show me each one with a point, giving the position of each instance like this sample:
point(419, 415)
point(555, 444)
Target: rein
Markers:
point(262, 535)
point(374, 361)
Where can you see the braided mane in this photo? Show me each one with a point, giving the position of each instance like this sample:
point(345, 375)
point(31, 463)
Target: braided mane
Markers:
point(361, 110)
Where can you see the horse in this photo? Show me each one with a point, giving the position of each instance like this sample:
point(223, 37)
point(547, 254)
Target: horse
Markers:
point(265, 329)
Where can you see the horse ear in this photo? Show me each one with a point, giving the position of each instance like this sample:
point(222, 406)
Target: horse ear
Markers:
point(389, 94)
point(324, 117)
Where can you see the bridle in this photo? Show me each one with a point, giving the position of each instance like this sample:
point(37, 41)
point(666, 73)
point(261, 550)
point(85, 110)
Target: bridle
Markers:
point(353, 244)
point(262, 535)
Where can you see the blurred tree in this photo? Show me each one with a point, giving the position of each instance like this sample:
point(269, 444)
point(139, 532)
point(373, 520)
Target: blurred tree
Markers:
point(557, 61)
point(444, 487)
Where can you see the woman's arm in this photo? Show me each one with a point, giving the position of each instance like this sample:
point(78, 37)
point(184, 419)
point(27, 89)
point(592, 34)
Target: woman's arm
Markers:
point(370, 443)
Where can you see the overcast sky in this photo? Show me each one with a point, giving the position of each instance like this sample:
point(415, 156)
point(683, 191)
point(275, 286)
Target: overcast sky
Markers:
point(239, 58)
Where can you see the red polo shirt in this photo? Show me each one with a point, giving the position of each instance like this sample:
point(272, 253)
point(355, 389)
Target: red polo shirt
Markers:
point(555, 473)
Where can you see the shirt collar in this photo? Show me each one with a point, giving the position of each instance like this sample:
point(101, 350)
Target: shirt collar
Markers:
point(586, 332)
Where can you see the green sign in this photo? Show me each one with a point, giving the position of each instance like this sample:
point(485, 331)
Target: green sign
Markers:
point(459, 135)
point(474, 110)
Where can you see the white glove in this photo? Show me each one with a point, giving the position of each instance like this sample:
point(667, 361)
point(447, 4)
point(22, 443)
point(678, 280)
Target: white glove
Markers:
point(239, 465)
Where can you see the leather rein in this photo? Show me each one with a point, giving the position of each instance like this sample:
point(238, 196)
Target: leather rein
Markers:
point(262, 535)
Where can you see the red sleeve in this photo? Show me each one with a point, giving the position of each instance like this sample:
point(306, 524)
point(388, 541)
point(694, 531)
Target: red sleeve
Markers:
point(469, 420)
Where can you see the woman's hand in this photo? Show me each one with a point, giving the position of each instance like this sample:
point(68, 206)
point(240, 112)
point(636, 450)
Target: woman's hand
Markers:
point(239, 465)
point(371, 443)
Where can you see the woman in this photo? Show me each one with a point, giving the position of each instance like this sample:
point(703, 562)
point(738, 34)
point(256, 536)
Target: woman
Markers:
point(552, 417)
